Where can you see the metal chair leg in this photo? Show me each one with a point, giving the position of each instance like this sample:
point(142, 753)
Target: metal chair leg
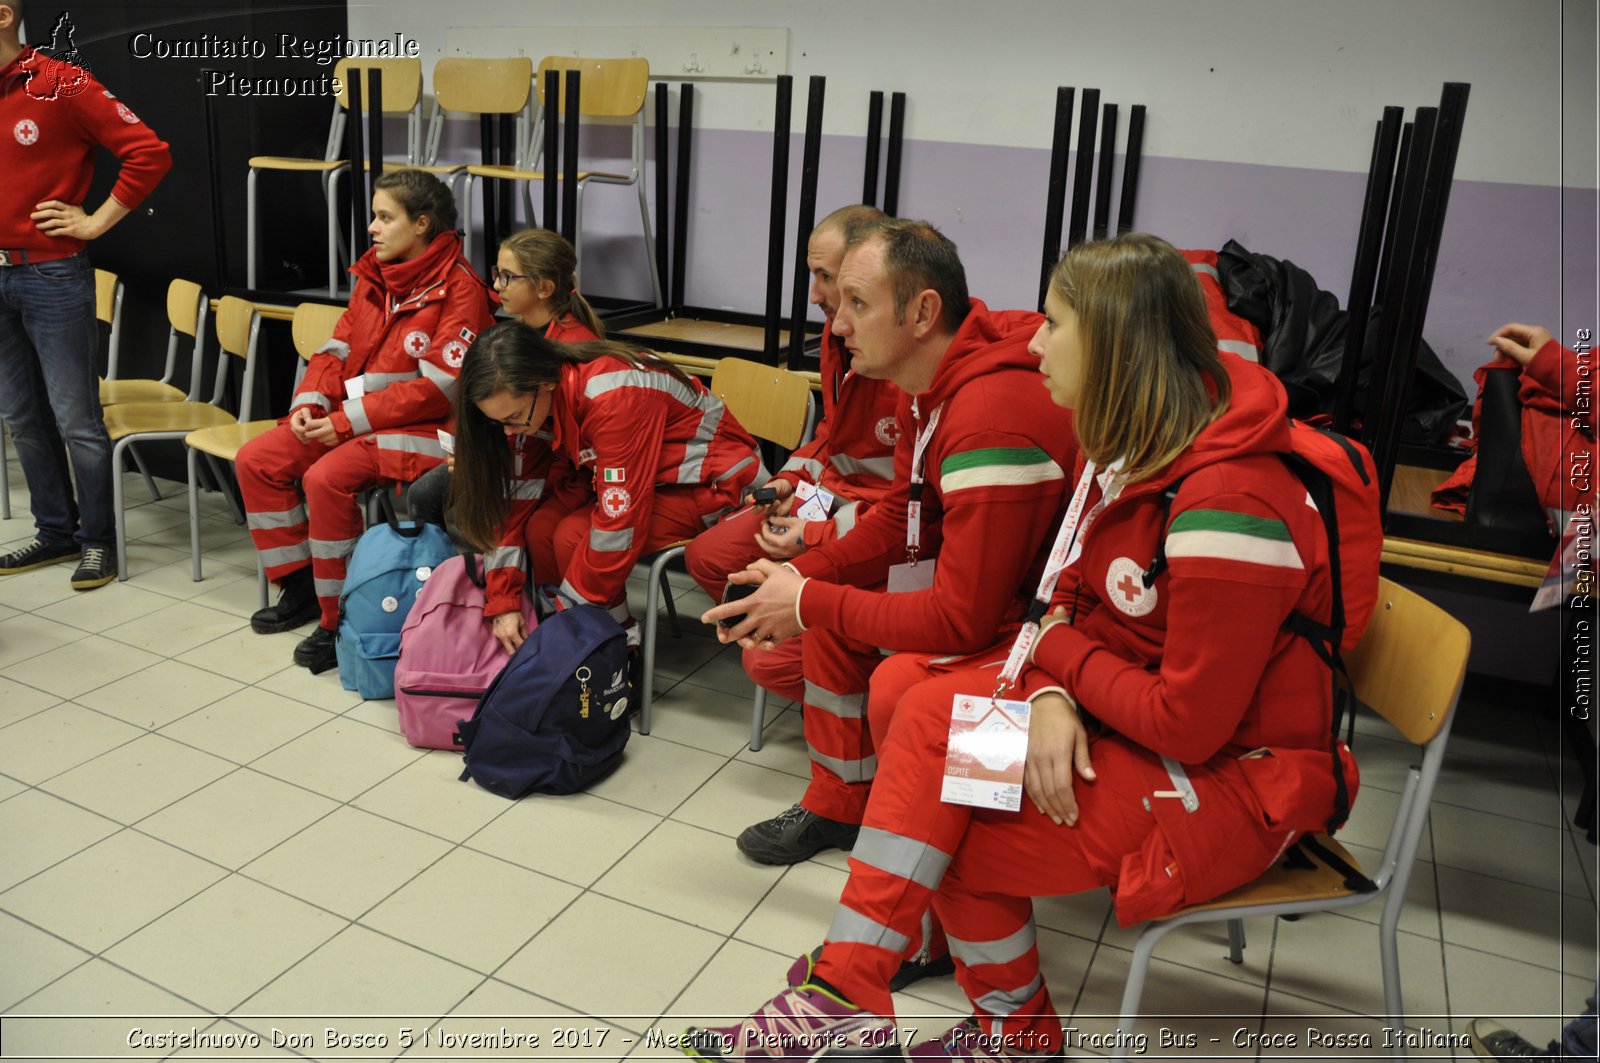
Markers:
point(149, 481)
point(672, 606)
point(5, 477)
point(116, 509)
point(758, 719)
point(194, 512)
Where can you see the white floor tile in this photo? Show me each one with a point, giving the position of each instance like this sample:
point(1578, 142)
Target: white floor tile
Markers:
point(26, 636)
point(657, 775)
point(324, 691)
point(136, 779)
point(58, 739)
point(244, 655)
point(341, 758)
point(73, 1004)
point(148, 878)
point(793, 917)
point(34, 959)
point(34, 590)
point(709, 889)
point(41, 830)
point(19, 701)
point(737, 796)
point(237, 818)
point(107, 608)
point(82, 666)
point(701, 717)
point(428, 794)
point(575, 838)
point(1534, 925)
point(245, 725)
point(158, 695)
point(180, 626)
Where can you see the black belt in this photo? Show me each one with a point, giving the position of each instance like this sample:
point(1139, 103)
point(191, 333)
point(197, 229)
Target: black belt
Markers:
point(27, 258)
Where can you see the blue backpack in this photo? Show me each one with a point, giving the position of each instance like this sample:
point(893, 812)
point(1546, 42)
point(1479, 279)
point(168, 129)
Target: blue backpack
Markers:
point(556, 718)
point(390, 564)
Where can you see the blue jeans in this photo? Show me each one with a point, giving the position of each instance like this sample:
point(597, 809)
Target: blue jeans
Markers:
point(1578, 1039)
point(50, 393)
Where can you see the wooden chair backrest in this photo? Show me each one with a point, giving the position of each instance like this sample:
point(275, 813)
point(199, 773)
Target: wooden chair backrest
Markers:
point(402, 82)
point(233, 324)
point(183, 305)
point(313, 326)
point(482, 86)
point(770, 402)
point(105, 294)
point(1410, 662)
point(611, 88)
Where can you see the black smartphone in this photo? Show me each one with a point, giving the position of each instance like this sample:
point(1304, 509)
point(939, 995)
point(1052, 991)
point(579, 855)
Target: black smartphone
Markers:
point(732, 593)
point(764, 496)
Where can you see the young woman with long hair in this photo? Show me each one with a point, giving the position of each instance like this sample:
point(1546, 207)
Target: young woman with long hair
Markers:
point(645, 456)
point(1178, 736)
point(368, 409)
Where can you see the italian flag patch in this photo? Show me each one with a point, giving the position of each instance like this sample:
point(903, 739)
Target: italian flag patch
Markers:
point(613, 476)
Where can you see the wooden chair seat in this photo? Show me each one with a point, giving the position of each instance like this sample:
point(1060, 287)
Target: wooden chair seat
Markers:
point(514, 173)
point(1283, 884)
point(224, 441)
point(283, 162)
point(113, 392)
point(138, 418)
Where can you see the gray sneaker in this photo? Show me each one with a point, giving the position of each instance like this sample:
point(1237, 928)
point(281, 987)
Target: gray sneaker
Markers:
point(96, 569)
point(1490, 1040)
point(793, 835)
point(37, 554)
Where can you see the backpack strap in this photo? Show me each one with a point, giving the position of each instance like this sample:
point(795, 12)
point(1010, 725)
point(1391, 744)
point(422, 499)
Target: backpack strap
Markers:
point(1158, 564)
point(1307, 851)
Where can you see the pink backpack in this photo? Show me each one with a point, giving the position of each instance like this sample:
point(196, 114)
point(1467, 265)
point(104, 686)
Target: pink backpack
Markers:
point(448, 654)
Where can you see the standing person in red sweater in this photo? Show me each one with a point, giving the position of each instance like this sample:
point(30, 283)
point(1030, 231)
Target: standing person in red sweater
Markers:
point(646, 456)
point(851, 457)
point(1178, 734)
point(369, 408)
point(53, 115)
point(979, 480)
point(535, 278)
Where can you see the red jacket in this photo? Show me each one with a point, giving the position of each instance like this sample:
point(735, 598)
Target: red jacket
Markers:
point(1198, 667)
point(532, 461)
point(852, 453)
point(621, 433)
point(52, 117)
point(995, 484)
point(407, 329)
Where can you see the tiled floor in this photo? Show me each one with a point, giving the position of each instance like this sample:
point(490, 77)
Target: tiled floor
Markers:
point(191, 827)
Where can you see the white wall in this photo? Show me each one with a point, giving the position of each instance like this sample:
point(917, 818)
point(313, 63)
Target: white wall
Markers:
point(1276, 82)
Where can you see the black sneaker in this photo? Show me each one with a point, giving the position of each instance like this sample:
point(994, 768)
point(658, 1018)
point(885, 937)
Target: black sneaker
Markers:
point(794, 835)
point(96, 569)
point(37, 554)
point(918, 967)
point(1490, 1040)
point(316, 651)
point(297, 603)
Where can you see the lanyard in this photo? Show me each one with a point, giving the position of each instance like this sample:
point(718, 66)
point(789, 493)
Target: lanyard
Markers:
point(1068, 545)
point(914, 507)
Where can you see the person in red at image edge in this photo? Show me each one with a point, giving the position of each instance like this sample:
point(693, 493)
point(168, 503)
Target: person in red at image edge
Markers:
point(851, 456)
point(1558, 396)
point(53, 114)
point(1139, 690)
point(995, 451)
point(416, 307)
point(535, 278)
point(646, 456)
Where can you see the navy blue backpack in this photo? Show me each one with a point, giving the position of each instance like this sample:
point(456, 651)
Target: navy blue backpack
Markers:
point(556, 718)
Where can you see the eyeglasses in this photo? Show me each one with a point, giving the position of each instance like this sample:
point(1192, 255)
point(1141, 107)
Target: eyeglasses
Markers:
point(502, 278)
point(527, 418)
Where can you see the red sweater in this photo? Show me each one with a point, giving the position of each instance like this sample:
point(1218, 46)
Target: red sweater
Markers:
point(852, 452)
point(407, 329)
point(52, 117)
point(995, 485)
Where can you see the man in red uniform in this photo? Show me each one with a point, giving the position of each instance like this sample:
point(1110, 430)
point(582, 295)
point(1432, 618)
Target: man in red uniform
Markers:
point(978, 485)
point(851, 457)
point(53, 114)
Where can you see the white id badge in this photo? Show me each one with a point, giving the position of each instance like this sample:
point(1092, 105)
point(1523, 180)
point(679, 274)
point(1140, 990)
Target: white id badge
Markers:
point(355, 387)
point(447, 442)
point(917, 577)
point(987, 753)
point(812, 503)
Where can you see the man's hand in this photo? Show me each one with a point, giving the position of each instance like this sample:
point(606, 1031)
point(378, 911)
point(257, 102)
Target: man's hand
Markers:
point(510, 631)
point(1057, 746)
point(58, 219)
point(782, 537)
point(298, 420)
point(769, 613)
point(785, 499)
point(1520, 342)
point(321, 430)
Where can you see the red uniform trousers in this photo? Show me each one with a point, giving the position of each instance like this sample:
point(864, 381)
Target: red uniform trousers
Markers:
point(727, 547)
point(979, 869)
point(300, 505)
point(554, 533)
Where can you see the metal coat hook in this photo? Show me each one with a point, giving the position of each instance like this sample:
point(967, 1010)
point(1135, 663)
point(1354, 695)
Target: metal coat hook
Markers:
point(694, 66)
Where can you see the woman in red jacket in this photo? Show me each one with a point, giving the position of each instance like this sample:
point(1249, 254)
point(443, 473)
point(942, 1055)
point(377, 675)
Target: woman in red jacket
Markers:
point(1178, 736)
point(646, 456)
point(534, 276)
point(368, 409)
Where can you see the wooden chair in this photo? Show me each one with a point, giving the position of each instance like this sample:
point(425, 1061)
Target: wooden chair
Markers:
point(1408, 669)
point(477, 87)
point(312, 327)
point(611, 90)
point(238, 327)
point(772, 404)
point(186, 312)
point(402, 94)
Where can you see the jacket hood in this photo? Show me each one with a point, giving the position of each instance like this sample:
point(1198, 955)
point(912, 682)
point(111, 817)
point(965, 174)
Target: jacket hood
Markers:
point(1255, 422)
point(988, 341)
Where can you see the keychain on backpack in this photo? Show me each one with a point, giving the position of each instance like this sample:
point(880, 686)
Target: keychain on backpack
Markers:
point(583, 674)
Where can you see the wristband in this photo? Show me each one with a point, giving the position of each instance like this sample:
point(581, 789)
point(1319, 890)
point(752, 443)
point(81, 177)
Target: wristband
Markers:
point(797, 594)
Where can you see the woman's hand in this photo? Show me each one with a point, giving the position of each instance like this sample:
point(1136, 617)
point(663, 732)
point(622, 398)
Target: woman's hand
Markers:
point(782, 537)
point(1520, 342)
point(510, 631)
point(321, 430)
point(298, 421)
point(1058, 745)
